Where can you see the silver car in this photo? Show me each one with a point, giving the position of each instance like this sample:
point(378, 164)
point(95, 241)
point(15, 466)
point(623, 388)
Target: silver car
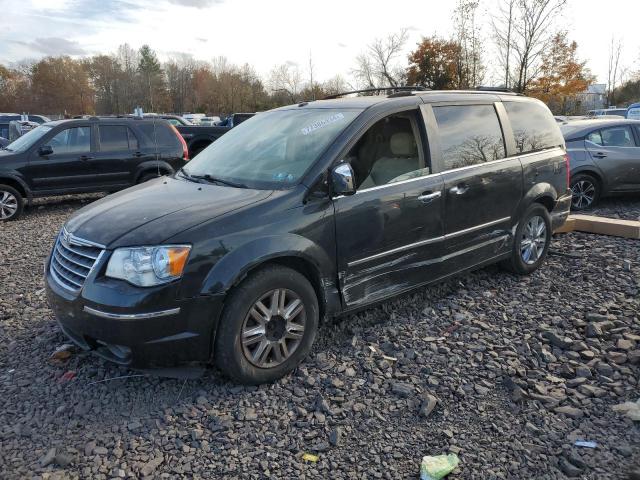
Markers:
point(604, 156)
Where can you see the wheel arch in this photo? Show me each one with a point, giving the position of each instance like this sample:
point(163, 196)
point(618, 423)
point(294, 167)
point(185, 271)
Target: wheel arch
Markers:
point(18, 184)
point(152, 166)
point(592, 172)
point(293, 251)
point(543, 193)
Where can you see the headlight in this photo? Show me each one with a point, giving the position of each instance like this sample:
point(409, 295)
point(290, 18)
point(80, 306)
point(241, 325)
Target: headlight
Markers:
point(148, 266)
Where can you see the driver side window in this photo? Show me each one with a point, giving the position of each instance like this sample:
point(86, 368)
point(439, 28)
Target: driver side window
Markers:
point(72, 140)
point(390, 151)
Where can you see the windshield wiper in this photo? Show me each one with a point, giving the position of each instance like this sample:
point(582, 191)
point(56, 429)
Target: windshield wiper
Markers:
point(183, 173)
point(212, 179)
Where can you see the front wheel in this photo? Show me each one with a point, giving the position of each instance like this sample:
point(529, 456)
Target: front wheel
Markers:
point(267, 327)
point(531, 242)
point(585, 191)
point(11, 203)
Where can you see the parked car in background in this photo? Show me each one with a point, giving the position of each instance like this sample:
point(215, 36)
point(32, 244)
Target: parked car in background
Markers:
point(199, 137)
point(603, 112)
point(3, 142)
point(194, 118)
point(633, 112)
point(304, 212)
point(86, 155)
point(235, 119)
point(6, 117)
point(209, 121)
point(174, 120)
point(604, 157)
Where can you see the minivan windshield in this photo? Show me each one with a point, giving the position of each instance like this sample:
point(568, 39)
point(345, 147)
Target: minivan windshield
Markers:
point(22, 143)
point(271, 150)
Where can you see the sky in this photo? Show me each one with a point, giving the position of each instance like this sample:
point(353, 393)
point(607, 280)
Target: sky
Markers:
point(265, 33)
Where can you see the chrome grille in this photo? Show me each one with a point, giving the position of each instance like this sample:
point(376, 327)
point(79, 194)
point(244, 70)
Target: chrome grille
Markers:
point(72, 259)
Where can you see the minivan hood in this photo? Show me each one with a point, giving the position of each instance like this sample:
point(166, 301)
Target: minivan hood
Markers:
point(153, 212)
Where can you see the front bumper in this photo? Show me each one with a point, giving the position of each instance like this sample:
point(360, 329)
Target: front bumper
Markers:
point(136, 327)
point(561, 210)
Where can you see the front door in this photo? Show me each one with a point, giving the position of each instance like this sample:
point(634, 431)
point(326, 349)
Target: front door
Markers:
point(616, 153)
point(389, 233)
point(481, 186)
point(67, 167)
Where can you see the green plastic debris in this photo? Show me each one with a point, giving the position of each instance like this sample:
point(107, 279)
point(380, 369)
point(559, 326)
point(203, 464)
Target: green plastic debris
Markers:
point(437, 467)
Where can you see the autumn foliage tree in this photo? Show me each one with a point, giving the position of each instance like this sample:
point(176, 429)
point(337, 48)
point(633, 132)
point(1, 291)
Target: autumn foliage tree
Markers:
point(562, 76)
point(437, 64)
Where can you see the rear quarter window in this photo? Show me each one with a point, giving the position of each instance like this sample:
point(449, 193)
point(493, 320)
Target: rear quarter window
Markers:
point(534, 128)
point(158, 132)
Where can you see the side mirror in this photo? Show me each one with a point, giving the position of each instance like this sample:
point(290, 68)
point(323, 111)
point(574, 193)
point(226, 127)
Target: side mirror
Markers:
point(45, 150)
point(343, 180)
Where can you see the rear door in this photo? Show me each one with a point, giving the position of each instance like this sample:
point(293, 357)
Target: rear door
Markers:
point(615, 151)
point(481, 186)
point(389, 233)
point(68, 167)
point(117, 147)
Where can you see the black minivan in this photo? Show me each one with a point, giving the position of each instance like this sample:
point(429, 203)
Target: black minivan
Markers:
point(87, 155)
point(306, 212)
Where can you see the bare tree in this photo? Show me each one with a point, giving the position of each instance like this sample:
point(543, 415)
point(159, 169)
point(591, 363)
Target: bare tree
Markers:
point(286, 79)
point(502, 25)
point(468, 36)
point(376, 67)
point(523, 31)
point(613, 75)
point(533, 35)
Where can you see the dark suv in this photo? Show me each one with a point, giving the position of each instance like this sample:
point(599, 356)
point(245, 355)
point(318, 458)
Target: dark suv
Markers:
point(306, 212)
point(87, 155)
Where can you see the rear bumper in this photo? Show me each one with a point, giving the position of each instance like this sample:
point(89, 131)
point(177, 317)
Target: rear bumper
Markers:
point(561, 210)
point(149, 335)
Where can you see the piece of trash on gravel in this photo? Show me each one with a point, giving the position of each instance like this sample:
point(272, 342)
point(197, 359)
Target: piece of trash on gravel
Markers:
point(67, 376)
point(437, 467)
point(63, 352)
point(309, 457)
point(586, 443)
point(630, 409)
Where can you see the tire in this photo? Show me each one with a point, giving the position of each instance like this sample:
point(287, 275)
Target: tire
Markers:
point(261, 359)
point(523, 260)
point(585, 190)
point(145, 177)
point(11, 203)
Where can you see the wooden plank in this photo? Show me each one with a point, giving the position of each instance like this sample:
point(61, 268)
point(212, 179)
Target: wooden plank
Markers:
point(601, 225)
point(567, 227)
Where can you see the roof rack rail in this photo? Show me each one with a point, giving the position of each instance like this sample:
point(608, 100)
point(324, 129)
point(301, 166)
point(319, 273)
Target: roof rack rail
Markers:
point(483, 88)
point(404, 88)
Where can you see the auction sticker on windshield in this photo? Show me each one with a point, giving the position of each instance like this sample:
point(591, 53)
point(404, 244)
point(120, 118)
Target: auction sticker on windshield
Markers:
point(336, 117)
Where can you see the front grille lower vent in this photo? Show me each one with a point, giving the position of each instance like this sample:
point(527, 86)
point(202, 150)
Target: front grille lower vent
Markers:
point(72, 260)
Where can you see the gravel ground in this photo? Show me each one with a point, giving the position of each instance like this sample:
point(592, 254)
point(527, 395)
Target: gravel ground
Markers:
point(626, 207)
point(518, 369)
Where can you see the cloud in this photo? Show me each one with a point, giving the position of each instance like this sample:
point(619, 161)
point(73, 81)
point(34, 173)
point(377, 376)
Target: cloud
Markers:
point(342, 45)
point(291, 63)
point(195, 3)
point(203, 40)
point(54, 46)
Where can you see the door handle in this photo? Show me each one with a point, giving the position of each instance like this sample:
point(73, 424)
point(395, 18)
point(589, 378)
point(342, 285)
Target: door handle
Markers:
point(138, 154)
point(428, 197)
point(599, 155)
point(85, 157)
point(459, 189)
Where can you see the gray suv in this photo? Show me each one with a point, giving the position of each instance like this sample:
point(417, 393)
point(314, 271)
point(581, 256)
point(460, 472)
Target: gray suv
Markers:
point(604, 157)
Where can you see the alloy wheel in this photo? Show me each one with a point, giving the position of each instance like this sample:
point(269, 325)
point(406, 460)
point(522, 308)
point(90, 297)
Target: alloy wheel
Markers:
point(273, 328)
point(583, 194)
point(534, 238)
point(8, 205)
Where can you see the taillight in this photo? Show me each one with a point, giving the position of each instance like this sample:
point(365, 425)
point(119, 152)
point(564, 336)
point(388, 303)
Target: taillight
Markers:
point(568, 167)
point(185, 149)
